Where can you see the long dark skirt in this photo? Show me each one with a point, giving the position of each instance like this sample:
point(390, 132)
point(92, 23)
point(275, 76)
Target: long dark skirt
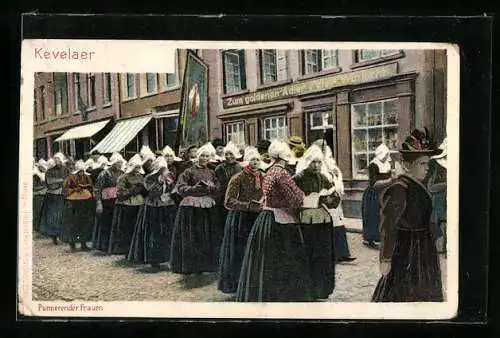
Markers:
point(152, 235)
point(415, 274)
point(275, 265)
point(78, 217)
point(38, 201)
point(318, 239)
point(122, 228)
point(340, 245)
point(51, 215)
point(196, 240)
point(102, 226)
point(371, 215)
point(236, 231)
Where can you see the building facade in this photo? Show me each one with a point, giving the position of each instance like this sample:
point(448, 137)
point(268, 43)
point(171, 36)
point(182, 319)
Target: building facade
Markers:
point(366, 96)
point(76, 102)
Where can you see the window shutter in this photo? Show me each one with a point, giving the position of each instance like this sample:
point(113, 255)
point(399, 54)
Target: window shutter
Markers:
point(281, 65)
point(224, 73)
point(243, 69)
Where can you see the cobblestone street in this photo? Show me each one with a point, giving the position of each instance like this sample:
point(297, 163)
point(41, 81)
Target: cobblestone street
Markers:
point(61, 275)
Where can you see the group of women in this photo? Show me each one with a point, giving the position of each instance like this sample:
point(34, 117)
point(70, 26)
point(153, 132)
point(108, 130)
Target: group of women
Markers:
point(263, 218)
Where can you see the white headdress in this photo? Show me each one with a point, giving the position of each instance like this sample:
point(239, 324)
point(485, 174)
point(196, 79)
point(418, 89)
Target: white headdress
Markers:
point(233, 149)
point(147, 154)
point(89, 163)
point(250, 153)
point(61, 157)
point(206, 148)
point(79, 166)
point(169, 151)
point(116, 157)
point(38, 173)
point(380, 153)
point(42, 163)
point(135, 161)
point(312, 153)
point(159, 163)
point(441, 158)
point(280, 149)
point(51, 163)
point(101, 162)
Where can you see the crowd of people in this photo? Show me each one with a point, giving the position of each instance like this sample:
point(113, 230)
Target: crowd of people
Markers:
point(267, 218)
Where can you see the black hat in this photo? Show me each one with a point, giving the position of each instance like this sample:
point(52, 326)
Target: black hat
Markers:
point(217, 142)
point(419, 143)
point(263, 146)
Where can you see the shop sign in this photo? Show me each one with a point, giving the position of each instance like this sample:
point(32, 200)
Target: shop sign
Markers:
point(312, 85)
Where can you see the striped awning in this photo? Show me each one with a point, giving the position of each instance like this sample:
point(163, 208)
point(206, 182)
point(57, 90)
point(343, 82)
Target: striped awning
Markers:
point(121, 135)
point(84, 131)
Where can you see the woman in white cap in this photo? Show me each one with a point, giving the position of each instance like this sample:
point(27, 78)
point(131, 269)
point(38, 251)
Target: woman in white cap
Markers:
point(315, 220)
point(153, 229)
point(79, 208)
point(276, 267)
point(148, 157)
point(98, 167)
point(89, 165)
point(437, 187)
point(380, 177)
point(409, 262)
point(243, 199)
point(51, 215)
point(42, 165)
point(334, 175)
point(39, 191)
point(225, 171)
point(105, 193)
point(129, 199)
point(197, 233)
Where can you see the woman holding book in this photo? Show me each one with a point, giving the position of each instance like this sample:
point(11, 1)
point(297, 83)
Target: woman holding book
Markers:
point(197, 233)
point(243, 199)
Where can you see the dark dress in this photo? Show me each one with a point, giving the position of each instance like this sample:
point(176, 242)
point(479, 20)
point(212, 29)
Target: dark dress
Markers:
point(153, 229)
point(94, 174)
point(130, 198)
point(39, 191)
point(317, 229)
point(276, 265)
point(197, 233)
point(370, 208)
point(52, 210)
point(224, 172)
point(241, 190)
point(437, 175)
point(408, 243)
point(105, 191)
point(79, 209)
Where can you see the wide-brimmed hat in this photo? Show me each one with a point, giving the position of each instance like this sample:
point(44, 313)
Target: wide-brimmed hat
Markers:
point(79, 166)
point(233, 149)
point(169, 151)
point(295, 141)
point(263, 146)
point(419, 143)
point(135, 161)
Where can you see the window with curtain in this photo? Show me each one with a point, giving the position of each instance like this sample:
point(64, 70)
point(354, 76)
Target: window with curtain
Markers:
point(318, 60)
point(274, 128)
point(371, 54)
point(235, 132)
point(91, 90)
point(273, 65)
point(130, 85)
point(151, 83)
point(107, 88)
point(234, 71)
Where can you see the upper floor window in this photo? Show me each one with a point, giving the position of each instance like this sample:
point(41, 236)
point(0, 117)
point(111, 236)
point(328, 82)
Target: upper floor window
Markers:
point(59, 100)
point(172, 79)
point(129, 85)
point(273, 65)
point(76, 91)
point(35, 105)
point(151, 83)
point(107, 88)
point(43, 102)
point(234, 71)
point(91, 90)
point(317, 60)
point(371, 54)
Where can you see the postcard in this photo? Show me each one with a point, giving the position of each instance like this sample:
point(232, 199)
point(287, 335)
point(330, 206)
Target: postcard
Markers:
point(116, 134)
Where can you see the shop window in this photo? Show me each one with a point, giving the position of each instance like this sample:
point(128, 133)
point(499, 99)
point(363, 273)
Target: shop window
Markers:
point(273, 65)
point(107, 88)
point(91, 90)
point(170, 130)
point(317, 60)
point(235, 132)
point(373, 123)
point(371, 54)
point(43, 102)
point(234, 71)
point(319, 121)
point(274, 128)
point(151, 83)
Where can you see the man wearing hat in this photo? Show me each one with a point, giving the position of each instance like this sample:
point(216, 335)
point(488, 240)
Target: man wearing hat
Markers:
point(298, 149)
point(263, 149)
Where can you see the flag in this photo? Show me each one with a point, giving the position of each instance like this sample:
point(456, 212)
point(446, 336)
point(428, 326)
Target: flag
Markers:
point(192, 128)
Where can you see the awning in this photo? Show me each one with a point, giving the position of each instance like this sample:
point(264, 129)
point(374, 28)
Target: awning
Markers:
point(168, 113)
point(121, 135)
point(84, 131)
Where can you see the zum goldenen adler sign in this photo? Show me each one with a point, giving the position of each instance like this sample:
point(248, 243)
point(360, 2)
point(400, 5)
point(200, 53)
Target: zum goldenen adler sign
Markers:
point(312, 85)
